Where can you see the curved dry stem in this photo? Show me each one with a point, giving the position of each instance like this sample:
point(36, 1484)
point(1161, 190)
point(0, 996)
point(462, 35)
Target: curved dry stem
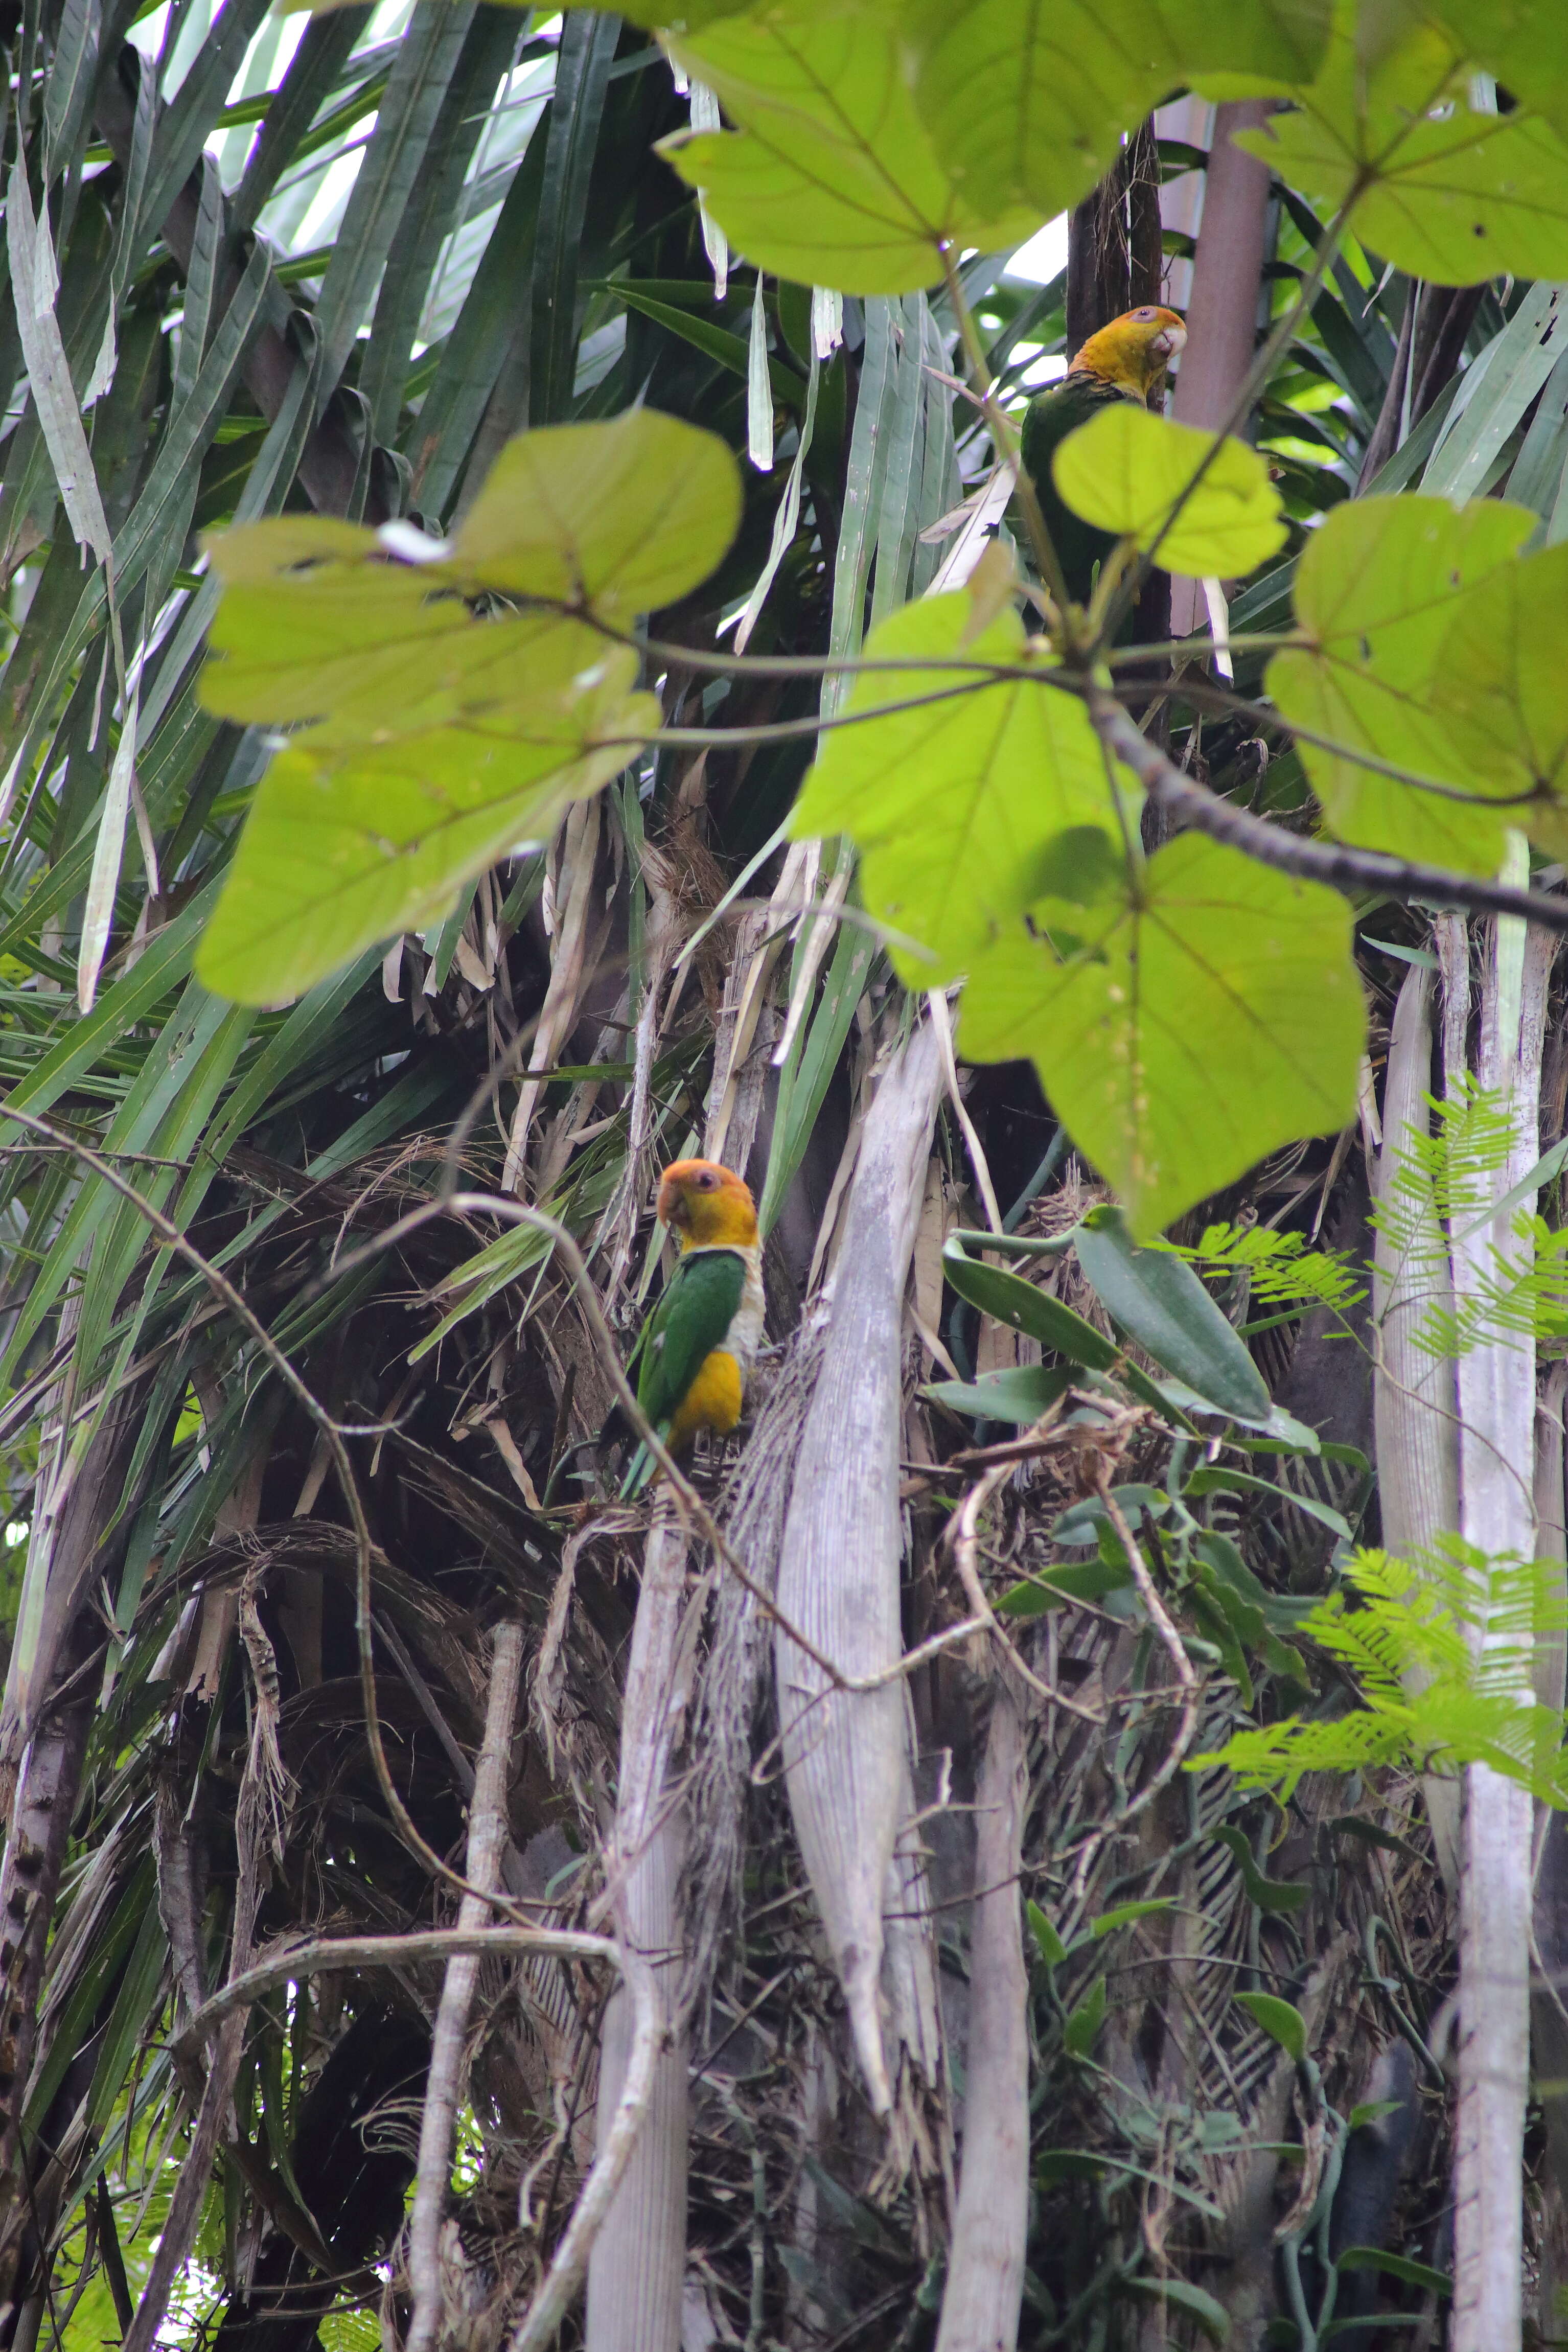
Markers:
point(965, 1557)
point(1186, 1679)
point(443, 2087)
point(325, 1955)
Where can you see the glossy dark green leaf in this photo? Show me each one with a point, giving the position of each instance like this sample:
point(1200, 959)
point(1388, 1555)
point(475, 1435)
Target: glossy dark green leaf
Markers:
point(1065, 1583)
point(1080, 1523)
point(1157, 1299)
point(1398, 2266)
point(1181, 2295)
point(1053, 1951)
point(1007, 1299)
point(1106, 1923)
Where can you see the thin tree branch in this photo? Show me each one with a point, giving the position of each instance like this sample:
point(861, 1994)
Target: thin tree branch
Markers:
point(1335, 863)
point(538, 2326)
point(326, 1954)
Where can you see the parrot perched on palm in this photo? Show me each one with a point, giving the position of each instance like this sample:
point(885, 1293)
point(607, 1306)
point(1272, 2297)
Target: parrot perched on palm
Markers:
point(696, 1349)
point(1125, 361)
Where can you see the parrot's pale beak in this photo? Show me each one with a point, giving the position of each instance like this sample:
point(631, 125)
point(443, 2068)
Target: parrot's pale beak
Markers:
point(1169, 342)
point(672, 1207)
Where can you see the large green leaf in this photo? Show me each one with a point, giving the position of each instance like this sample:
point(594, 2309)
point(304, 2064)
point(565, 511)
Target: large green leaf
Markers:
point(351, 841)
point(622, 517)
point(440, 738)
point(1129, 471)
point(1500, 684)
point(1032, 102)
point(1019, 1396)
point(1440, 191)
point(1183, 1031)
point(614, 519)
point(1280, 2021)
point(314, 620)
point(1377, 589)
point(1520, 41)
point(950, 802)
point(831, 177)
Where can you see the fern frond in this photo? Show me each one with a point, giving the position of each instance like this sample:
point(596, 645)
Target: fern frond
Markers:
point(1515, 1293)
point(1471, 1141)
point(1440, 1649)
point(1280, 1755)
point(1518, 1295)
point(1283, 1269)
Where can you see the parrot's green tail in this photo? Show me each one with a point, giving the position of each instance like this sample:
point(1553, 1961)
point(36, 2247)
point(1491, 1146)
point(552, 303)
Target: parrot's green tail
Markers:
point(639, 1470)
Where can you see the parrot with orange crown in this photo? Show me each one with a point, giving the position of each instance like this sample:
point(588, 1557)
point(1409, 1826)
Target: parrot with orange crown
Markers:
point(695, 1351)
point(1125, 361)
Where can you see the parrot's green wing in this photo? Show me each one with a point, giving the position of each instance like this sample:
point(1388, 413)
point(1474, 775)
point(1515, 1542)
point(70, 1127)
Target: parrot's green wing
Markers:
point(1050, 417)
point(693, 1315)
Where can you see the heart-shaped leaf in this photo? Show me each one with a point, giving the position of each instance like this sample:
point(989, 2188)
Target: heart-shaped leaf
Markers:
point(1202, 1019)
point(1128, 471)
point(1280, 2020)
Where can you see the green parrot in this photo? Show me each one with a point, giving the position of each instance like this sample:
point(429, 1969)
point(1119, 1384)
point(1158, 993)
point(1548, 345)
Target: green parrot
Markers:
point(695, 1351)
point(1125, 361)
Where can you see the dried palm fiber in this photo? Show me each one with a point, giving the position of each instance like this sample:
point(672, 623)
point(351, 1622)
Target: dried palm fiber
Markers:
point(846, 1752)
point(44, 1730)
point(985, 2264)
point(730, 1684)
point(1414, 1397)
point(639, 2260)
point(260, 1824)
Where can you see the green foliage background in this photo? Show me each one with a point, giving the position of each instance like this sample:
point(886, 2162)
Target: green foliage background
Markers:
point(278, 358)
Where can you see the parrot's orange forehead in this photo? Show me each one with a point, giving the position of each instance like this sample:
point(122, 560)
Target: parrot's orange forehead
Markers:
point(693, 1191)
point(1133, 350)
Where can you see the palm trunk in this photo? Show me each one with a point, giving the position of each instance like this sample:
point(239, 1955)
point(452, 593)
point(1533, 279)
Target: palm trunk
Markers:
point(986, 2269)
point(1415, 1396)
point(1497, 1439)
point(847, 1757)
point(638, 2260)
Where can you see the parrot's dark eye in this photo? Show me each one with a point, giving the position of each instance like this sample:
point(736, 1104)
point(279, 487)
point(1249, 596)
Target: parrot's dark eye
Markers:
point(707, 1180)
point(1145, 314)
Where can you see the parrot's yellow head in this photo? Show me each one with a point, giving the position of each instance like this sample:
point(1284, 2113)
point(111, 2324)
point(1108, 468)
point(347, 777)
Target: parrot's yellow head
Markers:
point(1132, 352)
point(706, 1206)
